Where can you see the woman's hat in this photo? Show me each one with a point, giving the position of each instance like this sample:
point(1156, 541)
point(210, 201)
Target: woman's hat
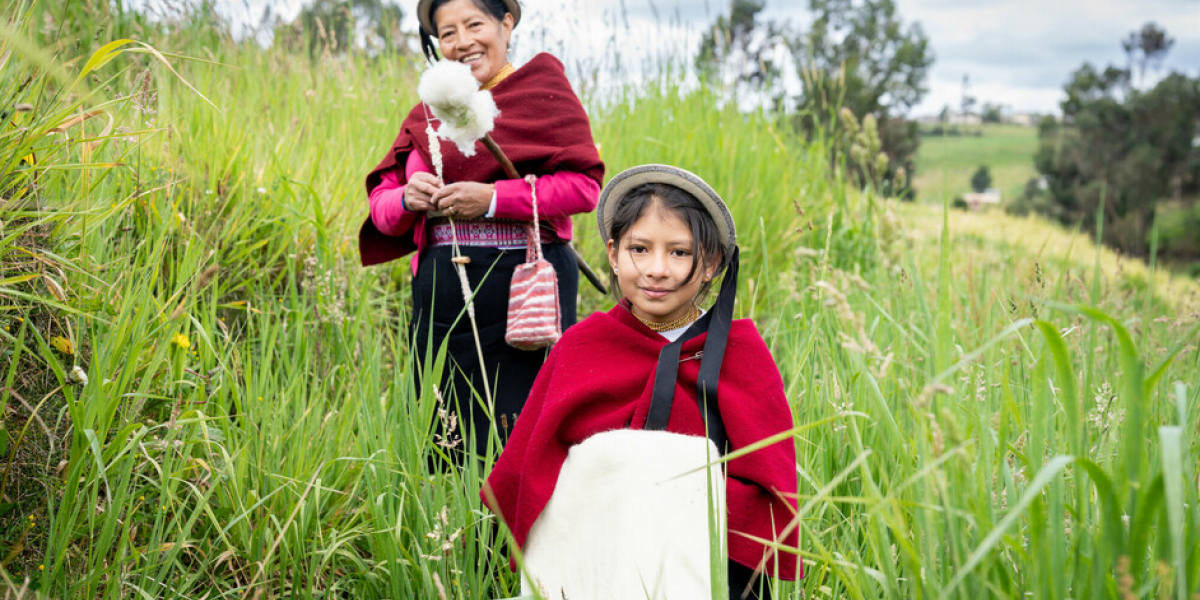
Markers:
point(426, 16)
point(627, 180)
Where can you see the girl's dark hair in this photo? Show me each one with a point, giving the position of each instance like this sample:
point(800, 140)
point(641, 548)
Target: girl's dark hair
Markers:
point(429, 45)
point(706, 241)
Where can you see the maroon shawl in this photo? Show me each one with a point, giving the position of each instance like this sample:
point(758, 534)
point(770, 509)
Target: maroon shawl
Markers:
point(600, 377)
point(542, 128)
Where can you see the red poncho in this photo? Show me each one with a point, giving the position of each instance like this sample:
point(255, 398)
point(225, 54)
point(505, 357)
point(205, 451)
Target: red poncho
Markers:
point(542, 128)
point(600, 376)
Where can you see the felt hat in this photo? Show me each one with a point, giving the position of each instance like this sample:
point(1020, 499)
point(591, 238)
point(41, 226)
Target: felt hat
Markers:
point(426, 16)
point(625, 181)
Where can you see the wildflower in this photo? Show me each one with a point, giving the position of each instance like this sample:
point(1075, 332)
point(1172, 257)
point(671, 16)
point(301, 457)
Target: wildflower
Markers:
point(78, 375)
point(41, 567)
point(261, 190)
point(62, 344)
point(182, 341)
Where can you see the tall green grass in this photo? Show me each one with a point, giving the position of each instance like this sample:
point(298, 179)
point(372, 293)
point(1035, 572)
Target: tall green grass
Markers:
point(250, 426)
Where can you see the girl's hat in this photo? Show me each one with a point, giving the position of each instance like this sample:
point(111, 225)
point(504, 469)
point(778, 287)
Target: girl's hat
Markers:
point(426, 16)
point(627, 180)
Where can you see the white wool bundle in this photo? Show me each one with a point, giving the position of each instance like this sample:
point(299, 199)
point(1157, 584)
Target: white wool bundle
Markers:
point(467, 113)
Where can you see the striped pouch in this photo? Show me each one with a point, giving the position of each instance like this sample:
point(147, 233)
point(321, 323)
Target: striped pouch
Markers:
point(533, 319)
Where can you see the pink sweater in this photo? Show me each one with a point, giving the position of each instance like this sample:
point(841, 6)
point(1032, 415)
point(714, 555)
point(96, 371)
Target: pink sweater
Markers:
point(560, 195)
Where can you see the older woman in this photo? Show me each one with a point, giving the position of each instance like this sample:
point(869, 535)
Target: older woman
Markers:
point(544, 130)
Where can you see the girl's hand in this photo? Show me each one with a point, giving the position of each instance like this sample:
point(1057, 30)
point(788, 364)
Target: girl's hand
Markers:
point(419, 191)
point(464, 200)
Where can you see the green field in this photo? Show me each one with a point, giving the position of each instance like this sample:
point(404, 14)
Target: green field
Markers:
point(946, 163)
point(986, 407)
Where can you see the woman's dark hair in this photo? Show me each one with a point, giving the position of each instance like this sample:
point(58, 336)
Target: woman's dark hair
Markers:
point(429, 45)
point(706, 241)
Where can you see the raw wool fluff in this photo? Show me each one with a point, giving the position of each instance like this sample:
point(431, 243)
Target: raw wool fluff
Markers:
point(467, 113)
point(629, 518)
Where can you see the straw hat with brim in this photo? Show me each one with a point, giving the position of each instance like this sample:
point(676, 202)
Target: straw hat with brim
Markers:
point(625, 181)
point(426, 16)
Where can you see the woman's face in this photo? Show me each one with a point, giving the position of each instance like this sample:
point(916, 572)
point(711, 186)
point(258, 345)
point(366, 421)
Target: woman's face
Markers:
point(652, 261)
point(471, 36)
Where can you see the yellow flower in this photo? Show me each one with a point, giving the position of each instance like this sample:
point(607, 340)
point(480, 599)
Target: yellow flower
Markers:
point(182, 341)
point(41, 567)
point(62, 344)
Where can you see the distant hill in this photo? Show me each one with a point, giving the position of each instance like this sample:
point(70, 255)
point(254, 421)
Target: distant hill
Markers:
point(945, 162)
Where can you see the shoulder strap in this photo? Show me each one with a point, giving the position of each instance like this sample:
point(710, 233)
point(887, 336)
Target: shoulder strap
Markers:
point(717, 323)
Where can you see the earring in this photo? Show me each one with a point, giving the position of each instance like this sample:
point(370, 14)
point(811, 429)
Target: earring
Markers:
point(616, 270)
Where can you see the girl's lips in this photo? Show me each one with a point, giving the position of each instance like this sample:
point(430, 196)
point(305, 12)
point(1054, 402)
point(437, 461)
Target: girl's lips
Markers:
point(655, 293)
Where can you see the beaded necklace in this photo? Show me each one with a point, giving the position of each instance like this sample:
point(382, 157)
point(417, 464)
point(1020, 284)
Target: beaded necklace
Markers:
point(692, 314)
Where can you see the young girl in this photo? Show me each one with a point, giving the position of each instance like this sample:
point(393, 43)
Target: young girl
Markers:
point(610, 429)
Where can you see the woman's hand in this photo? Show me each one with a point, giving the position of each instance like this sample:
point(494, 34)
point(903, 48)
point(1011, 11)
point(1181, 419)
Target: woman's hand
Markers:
point(464, 200)
point(419, 191)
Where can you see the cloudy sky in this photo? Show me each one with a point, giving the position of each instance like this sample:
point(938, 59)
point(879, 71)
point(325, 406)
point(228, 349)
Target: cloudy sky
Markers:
point(1016, 52)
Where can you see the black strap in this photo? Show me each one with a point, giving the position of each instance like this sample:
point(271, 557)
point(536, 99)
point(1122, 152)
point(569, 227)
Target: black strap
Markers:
point(717, 323)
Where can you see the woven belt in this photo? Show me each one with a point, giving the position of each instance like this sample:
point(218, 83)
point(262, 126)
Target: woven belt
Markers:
point(479, 232)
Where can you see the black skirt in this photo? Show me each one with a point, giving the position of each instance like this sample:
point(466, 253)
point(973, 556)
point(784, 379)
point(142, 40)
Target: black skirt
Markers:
point(438, 312)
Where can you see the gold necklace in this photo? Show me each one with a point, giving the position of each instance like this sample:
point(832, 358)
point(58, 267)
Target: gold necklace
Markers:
point(505, 71)
point(692, 314)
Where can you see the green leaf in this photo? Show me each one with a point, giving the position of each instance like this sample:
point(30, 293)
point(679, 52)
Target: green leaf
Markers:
point(1066, 378)
point(1173, 478)
point(102, 56)
point(1032, 491)
point(1145, 514)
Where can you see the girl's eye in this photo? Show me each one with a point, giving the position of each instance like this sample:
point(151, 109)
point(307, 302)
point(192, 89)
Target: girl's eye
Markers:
point(681, 253)
point(637, 249)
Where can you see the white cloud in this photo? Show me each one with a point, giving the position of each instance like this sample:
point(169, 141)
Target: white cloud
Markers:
point(1021, 52)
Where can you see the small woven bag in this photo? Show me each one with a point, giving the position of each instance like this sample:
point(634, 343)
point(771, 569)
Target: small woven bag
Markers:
point(533, 318)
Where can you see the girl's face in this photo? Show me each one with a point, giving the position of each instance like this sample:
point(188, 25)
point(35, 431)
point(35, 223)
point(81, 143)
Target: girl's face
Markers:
point(652, 262)
point(469, 35)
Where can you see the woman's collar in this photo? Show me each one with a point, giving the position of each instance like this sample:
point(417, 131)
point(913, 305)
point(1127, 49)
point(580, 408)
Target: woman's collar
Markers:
point(505, 71)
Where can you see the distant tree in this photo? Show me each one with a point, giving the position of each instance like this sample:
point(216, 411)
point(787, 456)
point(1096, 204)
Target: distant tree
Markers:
point(982, 179)
point(1088, 86)
point(859, 55)
point(739, 49)
point(880, 65)
point(1129, 148)
point(1146, 48)
point(992, 113)
point(336, 26)
point(968, 101)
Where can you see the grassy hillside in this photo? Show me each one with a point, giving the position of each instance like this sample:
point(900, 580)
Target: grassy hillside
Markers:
point(946, 163)
point(981, 411)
